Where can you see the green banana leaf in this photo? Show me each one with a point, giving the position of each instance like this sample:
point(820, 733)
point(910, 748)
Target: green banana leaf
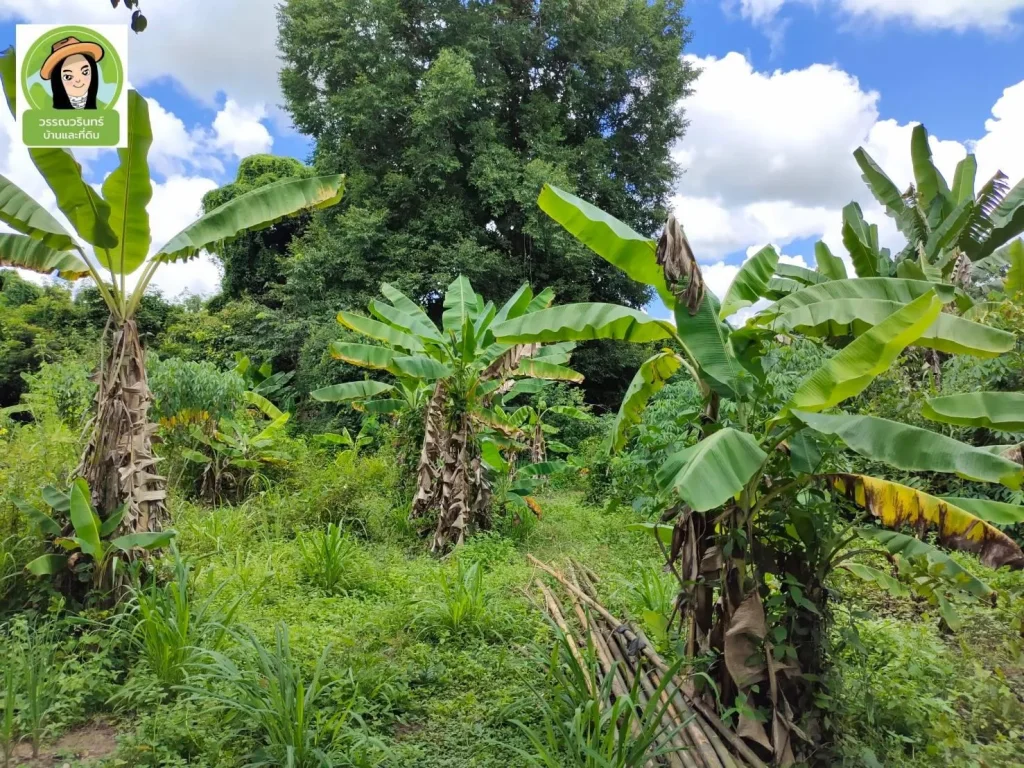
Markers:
point(894, 289)
point(653, 374)
point(852, 317)
point(47, 565)
point(252, 211)
point(382, 407)
point(26, 252)
point(84, 519)
point(538, 369)
point(949, 230)
point(459, 305)
point(403, 321)
point(1014, 282)
point(515, 306)
point(145, 541)
point(128, 190)
point(421, 367)
point(364, 355)
point(609, 238)
point(800, 274)
point(855, 367)
point(930, 184)
point(403, 302)
point(881, 186)
point(88, 213)
point(708, 474)
point(879, 578)
point(995, 512)
point(913, 449)
point(22, 213)
point(857, 237)
point(379, 331)
point(350, 390)
point(583, 322)
point(830, 266)
point(1007, 220)
point(963, 180)
point(1003, 411)
point(46, 524)
point(706, 340)
point(751, 281)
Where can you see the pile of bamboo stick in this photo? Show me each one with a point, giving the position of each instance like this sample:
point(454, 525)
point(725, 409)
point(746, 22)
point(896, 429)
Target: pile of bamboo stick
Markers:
point(703, 740)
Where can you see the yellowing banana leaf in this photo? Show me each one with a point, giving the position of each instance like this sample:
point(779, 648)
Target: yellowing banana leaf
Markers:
point(751, 281)
point(913, 449)
point(648, 381)
point(1003, 411)
point(898, 505)
point(266, 407)
point(708, 474)
point(540, 369)
point(995, 512)
point(609, 238)
point(583, 322)
point(23, 214)
point(853, 369)
point(253, 211)
point(364, 355)
point(852, 317)
point(350, 390)
point(26, 252)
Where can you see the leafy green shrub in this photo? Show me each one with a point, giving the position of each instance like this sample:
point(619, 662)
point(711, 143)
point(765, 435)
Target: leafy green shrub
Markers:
point(64, 390)
point(272, 702)
point(332, 560)
point(460, 607)
point(32, 455)
point(187, 392)
point(654, 593)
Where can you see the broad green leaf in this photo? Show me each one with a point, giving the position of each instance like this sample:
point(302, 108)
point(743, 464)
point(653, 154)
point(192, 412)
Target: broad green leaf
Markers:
point(930, 184)
point(858, 241)
point(459, 305)
point(1014, 282)
point(271, 430)
point(653, 374)
point(364, 355)
point(110, 524)
point(515, 306)
point(882, 288)
point(855, 367)
point(350, 390)
point(570, 412)
point(128, 190)
point(523, 387)
point(421, 367)
point(266, 407)
point(195, 456)
point(708, 474)
point(881, 186)
point(559, 354)
point(57, 499)
point(375, 329)
point(913, 449)
point(995, 512)
point(541, 469)
point(47, 565)
point(662, 531)
point(541, 301)
point(9, 76)
point(26, 252)
point(1003, 411)
point(403, 321)
point(981, 310)
point(382, 407)
point(403, 302)
point(539, 369)
point(751, 281)
point(46, 524)
point(879, 578)
point(147, 541)
point(1007, 220)
point(491, 455)
point(22, 213)
point(609, 238)
point(963, 180)
point(852, 317)
point(898, 505)
point(911, 547)
point(800, 274)
point(829, 265)
point(911, 270)
point(252, 211)
point(948, 230)
point(583, 322)
point(88, 213)
point(705, 338)
point(84, 519)
point(805, 452)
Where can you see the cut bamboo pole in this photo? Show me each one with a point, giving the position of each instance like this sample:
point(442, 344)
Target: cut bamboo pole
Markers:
point(556, 614)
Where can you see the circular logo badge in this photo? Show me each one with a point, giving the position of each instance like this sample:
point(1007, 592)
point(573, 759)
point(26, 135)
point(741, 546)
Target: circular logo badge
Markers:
point(72, 68)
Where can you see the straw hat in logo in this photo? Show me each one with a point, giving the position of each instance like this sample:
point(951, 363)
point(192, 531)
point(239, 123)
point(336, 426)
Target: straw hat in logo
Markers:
point(69, 46)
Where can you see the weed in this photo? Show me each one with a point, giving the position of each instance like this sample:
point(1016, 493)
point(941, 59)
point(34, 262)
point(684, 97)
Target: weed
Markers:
point(654, 592)
point(460, 608)
point(8, 724)
point(34, 650)
point(331, 560)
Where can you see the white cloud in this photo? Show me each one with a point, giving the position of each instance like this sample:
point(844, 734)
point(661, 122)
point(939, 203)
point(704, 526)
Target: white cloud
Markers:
point(768, 156)
point(959, 15)
point(238, 130)
point(228, 46)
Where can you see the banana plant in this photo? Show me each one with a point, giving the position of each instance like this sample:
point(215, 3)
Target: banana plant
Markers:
point(89, 540)
point(111, 246)
point(740, 500)
point(464, 369)
point(516, 484)
point(536, 431)
point(942, 222)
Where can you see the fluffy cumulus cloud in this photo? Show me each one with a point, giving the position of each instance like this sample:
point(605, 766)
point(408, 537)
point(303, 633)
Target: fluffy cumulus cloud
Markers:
point(229, 46)
point(959, 15)
point(239, 131)
point(768, 155)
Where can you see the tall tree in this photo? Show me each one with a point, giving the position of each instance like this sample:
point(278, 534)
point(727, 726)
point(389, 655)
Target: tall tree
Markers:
point(449, 115)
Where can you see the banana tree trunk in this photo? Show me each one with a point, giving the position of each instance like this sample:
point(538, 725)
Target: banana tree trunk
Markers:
point(118, 461)
point(434, 440)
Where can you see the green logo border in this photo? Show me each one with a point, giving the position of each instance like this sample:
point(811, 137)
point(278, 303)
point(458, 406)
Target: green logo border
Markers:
point(59, 33)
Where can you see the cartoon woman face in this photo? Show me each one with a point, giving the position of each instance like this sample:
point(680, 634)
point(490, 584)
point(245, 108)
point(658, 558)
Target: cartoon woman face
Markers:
point(76, 74)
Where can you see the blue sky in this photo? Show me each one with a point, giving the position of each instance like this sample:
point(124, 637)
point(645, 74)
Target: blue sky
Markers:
point(789, 88)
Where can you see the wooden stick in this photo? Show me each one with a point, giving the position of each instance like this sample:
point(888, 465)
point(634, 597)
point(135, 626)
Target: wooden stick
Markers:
point(556, 614)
